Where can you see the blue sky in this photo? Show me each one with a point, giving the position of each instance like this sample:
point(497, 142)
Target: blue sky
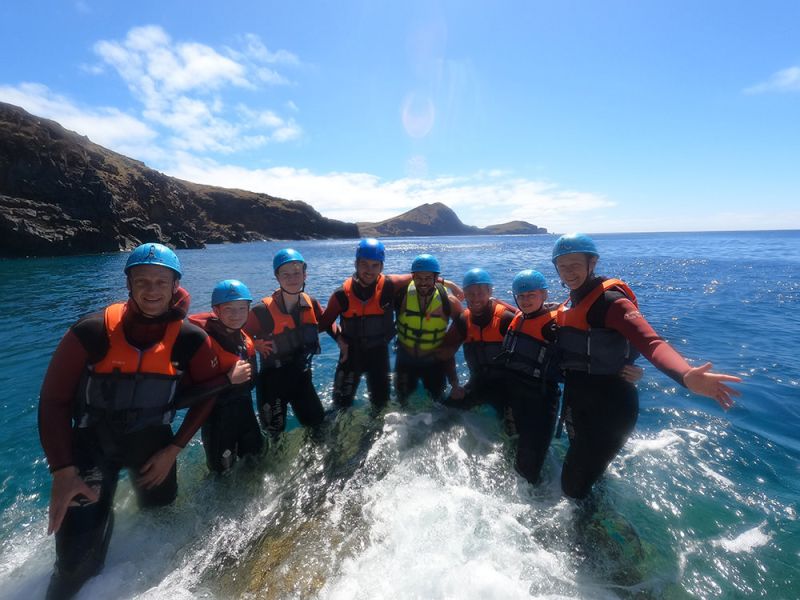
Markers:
point(592, 116)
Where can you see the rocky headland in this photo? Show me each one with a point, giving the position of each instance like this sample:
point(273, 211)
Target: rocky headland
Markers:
point(62, 194)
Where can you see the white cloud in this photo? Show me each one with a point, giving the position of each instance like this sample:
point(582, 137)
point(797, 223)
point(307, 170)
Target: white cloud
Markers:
point(256, 50)
point(479, 199)
point(108, 127)
point(181, 87)
point(786, 80)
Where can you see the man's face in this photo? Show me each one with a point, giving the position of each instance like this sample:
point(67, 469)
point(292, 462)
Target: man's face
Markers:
point(424, 281)
point(574, 269)
point(152, 287)
point(233, 314)
point(367, 270)
point(530, 302)
point(291, 276)
point(477, 297)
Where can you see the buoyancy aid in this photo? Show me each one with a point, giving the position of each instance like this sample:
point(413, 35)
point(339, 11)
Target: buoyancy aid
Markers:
point(525, 348)
point(483, 344)
point(423, 331)
point(129, 388)
point(227, 360)
point(367, 323)
point(291, 341)
point(593, 350)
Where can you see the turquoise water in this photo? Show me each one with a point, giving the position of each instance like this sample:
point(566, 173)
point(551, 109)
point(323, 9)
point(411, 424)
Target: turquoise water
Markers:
point(422, 502)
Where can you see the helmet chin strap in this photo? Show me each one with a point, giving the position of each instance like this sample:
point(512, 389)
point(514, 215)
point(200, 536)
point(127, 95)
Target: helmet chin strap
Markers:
point(285, 291)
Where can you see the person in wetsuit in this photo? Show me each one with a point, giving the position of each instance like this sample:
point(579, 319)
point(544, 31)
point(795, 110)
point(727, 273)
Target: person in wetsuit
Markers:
point(423, 311)
point(284, 327)
point(364, 305)
point(231, 430)
point(481, 328)
point(598, 333)
point(106, 404)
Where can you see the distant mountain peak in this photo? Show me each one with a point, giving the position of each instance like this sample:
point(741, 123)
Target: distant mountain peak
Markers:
point(436, 218)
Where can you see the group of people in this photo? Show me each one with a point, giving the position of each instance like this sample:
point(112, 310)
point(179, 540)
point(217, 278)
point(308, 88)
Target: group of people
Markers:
point(118, 376)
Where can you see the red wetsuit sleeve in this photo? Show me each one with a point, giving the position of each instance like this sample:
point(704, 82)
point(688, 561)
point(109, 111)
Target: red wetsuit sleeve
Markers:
point(318, 312)
point(624, 317)
point(56, 400)
point(203, 369)
point(331, 313)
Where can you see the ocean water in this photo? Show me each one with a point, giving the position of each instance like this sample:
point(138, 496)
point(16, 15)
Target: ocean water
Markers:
point(422, 502)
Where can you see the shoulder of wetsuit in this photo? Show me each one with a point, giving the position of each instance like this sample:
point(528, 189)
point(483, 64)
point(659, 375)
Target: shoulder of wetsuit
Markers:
point(341, 298)
point(264, 317)
point(189, 340)
point(230, 340)
point(90, 330)
point(596, 315)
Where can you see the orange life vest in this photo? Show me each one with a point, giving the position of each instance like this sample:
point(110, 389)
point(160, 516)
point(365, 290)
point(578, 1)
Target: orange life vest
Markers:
point(365, 322)
point(227, 359)
point(291, 341)
point(594, 350)
point(129, 388)
point(483, 344)
point(526, 349)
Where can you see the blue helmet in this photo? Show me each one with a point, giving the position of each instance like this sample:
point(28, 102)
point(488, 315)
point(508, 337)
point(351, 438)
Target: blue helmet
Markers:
point(230, 290)
point(528, 281)
point(426, 262)
point(574, 243)
point(153, 254)
point(476, 276)
point(284, 256)
point(370, 249)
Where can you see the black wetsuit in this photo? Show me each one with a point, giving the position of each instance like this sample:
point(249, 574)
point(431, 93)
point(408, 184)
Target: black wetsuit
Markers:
point(369, 358)
point(487, 382)
point(427, 367)
point(600, 411)
point(231, 430)
point(104, 445)
point(290, 382)
point(534, 406)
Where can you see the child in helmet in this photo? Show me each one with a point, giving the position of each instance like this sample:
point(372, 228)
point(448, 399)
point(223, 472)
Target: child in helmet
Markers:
point(532, 374)
point(231, 431)
point(285, 328)
point(601, 410)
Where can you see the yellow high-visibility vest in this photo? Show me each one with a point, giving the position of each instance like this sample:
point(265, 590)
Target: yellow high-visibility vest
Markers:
point(418, 330)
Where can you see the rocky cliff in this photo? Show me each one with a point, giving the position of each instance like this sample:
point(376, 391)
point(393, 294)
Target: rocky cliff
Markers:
point(62, 194)
point(438, 219)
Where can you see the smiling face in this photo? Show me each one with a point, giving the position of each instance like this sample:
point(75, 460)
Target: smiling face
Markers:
point(424, 281)
point(292, 277)
point(152, 287)
point(477, 297)
point(530, 302)
point(367, 271)
point(574, 269)
point(233, 314)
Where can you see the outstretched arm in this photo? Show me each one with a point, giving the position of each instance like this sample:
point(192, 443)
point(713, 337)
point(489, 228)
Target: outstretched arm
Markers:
point(703, 382)
point(624, 316)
